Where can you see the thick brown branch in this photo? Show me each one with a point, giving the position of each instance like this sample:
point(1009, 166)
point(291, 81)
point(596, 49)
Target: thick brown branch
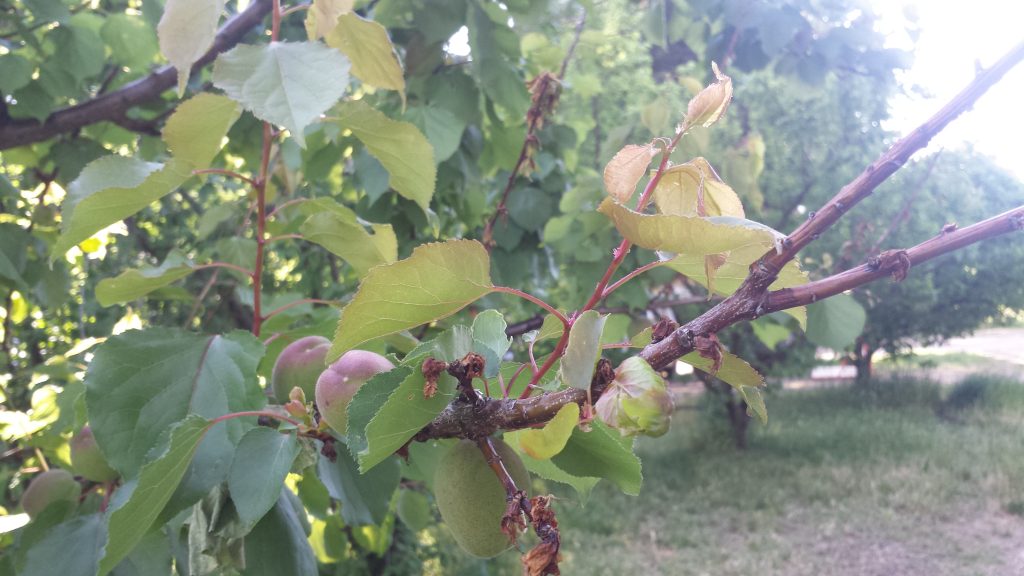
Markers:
point(112, 106)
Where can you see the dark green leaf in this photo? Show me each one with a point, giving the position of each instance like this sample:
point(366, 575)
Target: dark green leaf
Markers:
point(262, 461)
point(69, 549)
point(277, 545)
point(365, 498)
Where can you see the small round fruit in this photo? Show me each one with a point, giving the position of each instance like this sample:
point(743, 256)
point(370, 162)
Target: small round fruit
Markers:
point(340, 381)
point(49, 487)
point(471, 499)
point(299, 364)
point(87, 460)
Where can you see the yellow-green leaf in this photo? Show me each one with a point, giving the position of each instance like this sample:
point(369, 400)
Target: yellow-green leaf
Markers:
point(711, 103)
point(436, 281)
point(688, 234)
point(680, 187)
point(583, 349)
point(367, 45)
point(626, 168)
point(755, 403)
point(132, 284)
point(344, 234)
point(401, 148)
point(734, 370)
point(186, 31)
point(323, 15)
point(544, 443)
point(196, 129)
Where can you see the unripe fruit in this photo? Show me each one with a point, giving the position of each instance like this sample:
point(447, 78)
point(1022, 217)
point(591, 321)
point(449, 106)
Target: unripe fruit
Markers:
point(87, 460)
point(340, 381)
point(49, 487)
point(299, 364)
point(471, 499)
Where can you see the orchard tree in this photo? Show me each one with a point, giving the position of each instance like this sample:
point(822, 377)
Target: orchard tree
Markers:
point(302, 351)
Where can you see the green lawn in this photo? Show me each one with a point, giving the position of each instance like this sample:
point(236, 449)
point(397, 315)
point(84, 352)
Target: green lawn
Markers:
point(839, 482)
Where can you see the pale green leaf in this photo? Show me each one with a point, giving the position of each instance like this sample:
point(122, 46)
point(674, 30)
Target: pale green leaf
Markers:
point(110, 189)
point(734, 371)
point(367, 403)
point(131, 40)
point(441, 127)
point(544, 443)
point(689, 234)
point(755, 403)
point(367, 45)
point(583, 349)
point(404, 414)
point(132, 284)
point(139, 502)
point(625, 169)
point(489, 339)
point(285, 83)
point(195, 131)
point(186, 32)
point(345, 235)
point(399, 146)
point(835, 322)
point(262, 461)
point(680, 187)
point(437, 280)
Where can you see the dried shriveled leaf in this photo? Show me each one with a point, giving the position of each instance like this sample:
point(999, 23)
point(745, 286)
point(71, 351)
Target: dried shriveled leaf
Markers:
point(626, 168)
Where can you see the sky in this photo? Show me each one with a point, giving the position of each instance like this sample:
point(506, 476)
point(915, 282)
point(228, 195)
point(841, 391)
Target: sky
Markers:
point(953, 36)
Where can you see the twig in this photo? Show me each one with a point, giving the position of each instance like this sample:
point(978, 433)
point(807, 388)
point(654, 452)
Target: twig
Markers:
point(228, 173)
point(290, 305)
point(551, 309)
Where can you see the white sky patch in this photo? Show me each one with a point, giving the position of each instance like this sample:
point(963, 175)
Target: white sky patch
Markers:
point(953, 37)
point(458, 44)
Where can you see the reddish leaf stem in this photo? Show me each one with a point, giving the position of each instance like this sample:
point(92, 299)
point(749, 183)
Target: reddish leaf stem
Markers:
point(223, 172)
point(227, 265)
point(290, 305)
point(551, 309)
point(255, 413)
point(284, 237)
point(630, 276)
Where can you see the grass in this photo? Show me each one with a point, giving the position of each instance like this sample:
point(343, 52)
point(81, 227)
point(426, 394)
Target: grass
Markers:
point(933, 360)
point(839, 482)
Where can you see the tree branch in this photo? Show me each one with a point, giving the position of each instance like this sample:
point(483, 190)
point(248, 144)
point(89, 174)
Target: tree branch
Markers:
point(112, 106)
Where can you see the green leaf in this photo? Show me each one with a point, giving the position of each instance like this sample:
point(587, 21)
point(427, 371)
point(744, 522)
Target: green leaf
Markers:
point(110, 189)
point(138, 503)
point(489, 339)
point(600, 454)
point(368, 400)
point(345, 235)
point(436, 281)
point(195, 131)
point(680, 186)
point(132, 284)
point(141, 382)
point(544, 443)
point(755, 402)
point(734, 371)
point(367, 45)
point(442, 128)
point(285, 83)
point(413, 509)
point(278, 545)
point(78, 51)
point(15, 73)
point(262, 461)
point(688, 234)
point(13, 244)
point(768, 332)
point(404, 414)
point(583, 349)
point(186, 31)
point(365, 497)
point(69, 549)
point(498, 76)
point(132, 42)
point(450, 345)
point(548, 470)
point(399, 146)
point(835, 322)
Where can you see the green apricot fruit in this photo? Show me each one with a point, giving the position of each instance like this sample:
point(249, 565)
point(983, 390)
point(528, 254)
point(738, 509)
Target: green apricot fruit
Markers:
point(87, 460)
point(341, 380)
point(471, 499)
point(299, 364)
point(49, 487)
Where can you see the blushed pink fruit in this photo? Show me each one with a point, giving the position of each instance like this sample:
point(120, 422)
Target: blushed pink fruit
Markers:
point(87, 460)
point(340, 381)
point(299, 364)
point(49, 487)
